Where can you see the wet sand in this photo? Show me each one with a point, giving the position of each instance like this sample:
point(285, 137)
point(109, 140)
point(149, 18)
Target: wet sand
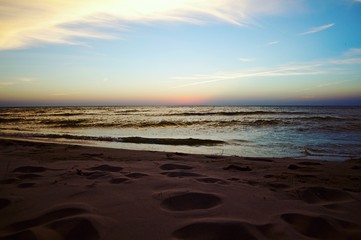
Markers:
point(58, 191)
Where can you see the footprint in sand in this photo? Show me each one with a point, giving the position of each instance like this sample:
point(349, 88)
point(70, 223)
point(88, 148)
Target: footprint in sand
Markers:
point(212, 180)
point(92, 174)
point(26, 185)
point(310, 163)
point(228, 229)
point(67, 223)
point(307, 167)
point(29, 176)
point(9, 181)
point(101, 171)
point(106, 168)
point(96, 175)
point(322, 227)
point(181, 174)
point(225, 230)
point(298, 226)
point(275, 186)
point(136, 175)
point(30, 169)
point(119, 180)
point(174, 166)
point(190, 201)
point(322, 195)
point(233, 167)
point(26, 173)
point(4, 202)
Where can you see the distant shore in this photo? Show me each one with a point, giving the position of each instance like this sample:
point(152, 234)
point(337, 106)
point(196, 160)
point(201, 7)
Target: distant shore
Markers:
point(63, 191)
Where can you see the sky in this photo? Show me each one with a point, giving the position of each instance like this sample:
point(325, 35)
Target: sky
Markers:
point(180, 52)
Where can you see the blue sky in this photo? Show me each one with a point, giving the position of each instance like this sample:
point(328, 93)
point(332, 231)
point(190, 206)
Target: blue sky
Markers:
point(180, 52)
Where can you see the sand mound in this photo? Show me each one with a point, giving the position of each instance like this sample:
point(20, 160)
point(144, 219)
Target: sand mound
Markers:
point(47, 217)
point(191, 201)
point(68, 223)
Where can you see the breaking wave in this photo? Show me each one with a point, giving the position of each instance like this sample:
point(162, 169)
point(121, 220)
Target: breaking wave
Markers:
point(236, 113)
point(268, 131)
point(333, 150)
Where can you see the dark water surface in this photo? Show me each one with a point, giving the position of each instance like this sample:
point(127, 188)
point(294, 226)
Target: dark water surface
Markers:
point(330, 133)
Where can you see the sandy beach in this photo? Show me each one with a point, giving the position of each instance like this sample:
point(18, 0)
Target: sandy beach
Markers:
point(58, 191)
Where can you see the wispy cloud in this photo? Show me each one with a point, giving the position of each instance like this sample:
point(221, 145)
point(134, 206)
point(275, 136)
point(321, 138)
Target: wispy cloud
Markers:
point(62, 94)
point(27, 23)
point(280, 71)
point(245, 60)
point(328, 66)
point(346, 61)
point(273, 43)
point(7, 83)
point(324, 85)
point(318, 29)
point(353, 51)
point(26, 79)
point(16, 81)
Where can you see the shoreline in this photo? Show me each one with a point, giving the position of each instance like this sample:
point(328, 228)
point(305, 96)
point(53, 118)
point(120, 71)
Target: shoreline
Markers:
point(172, 148)
point(64, 191)
point(308, 132)
point(89, 145)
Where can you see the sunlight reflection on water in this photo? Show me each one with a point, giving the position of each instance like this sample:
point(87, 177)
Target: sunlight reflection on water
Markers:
point(309, 132)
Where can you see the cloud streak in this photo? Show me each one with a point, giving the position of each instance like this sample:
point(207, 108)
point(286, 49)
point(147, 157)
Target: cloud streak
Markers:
point(62, 94)
point(245, 60)
point(281, 71)
point(353, 52)
point(325, 85)
point(6, 83)
point(26, 79)
point(29, 23)
point(273, 43)
point(20, 80)
point(315, 68)
point(318, 29)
